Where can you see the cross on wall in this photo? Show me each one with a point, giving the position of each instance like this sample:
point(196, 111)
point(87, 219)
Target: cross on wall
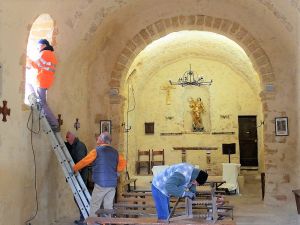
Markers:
point(60, 120)
point(77, 124)
point(5, 111)
point(168, 89)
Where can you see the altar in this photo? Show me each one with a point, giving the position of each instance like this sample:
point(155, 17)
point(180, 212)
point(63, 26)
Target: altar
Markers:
point(207, 149)
point(184, 149)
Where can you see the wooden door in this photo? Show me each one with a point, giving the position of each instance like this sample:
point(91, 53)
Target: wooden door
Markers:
point(248, 141)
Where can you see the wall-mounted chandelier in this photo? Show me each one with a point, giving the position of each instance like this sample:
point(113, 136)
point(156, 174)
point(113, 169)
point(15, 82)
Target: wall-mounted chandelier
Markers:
point(188, 79)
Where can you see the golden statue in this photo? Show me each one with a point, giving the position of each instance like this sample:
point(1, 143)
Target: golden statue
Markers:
point(197, 109)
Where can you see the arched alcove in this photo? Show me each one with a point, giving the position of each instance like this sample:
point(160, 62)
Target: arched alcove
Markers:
point(42, 27)
point(235, 91)
point(230, 29)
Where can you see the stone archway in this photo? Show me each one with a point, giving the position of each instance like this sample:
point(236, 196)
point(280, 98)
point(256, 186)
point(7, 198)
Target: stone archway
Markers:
point(230, 29)
point(160, 28)
point(225, 27)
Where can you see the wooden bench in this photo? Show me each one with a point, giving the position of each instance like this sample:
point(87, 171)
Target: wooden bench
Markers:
point(127, 212)
point(153, 221)
point(223, 211)
point(128, 182)
point(140, 204)
point(142, 190)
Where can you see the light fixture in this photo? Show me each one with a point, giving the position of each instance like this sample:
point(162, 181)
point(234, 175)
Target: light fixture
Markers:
point(188, 79)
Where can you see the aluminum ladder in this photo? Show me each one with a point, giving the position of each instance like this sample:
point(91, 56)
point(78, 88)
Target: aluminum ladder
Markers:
point(78, 187)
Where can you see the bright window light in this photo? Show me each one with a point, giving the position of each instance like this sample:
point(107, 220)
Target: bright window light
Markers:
point(41, 28)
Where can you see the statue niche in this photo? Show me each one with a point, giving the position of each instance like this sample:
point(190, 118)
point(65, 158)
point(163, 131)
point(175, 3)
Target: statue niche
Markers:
point(197, 108)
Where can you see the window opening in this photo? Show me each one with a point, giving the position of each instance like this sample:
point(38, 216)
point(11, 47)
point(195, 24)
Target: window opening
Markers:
point(42, 27)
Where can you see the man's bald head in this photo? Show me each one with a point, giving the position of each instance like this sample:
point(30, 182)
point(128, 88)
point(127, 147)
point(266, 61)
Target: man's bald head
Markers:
point(104, 138)
point(70, 137)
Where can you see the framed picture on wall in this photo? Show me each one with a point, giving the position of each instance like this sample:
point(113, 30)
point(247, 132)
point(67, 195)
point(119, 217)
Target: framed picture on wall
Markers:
point(105, 126)
point(281, 126)
point(149, 128)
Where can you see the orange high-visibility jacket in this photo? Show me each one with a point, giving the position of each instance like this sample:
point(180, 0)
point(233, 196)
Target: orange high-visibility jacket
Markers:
point(45, 66)
point(91, 158)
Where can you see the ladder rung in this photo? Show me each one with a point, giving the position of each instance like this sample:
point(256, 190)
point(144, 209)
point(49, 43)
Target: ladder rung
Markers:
point(79, 190)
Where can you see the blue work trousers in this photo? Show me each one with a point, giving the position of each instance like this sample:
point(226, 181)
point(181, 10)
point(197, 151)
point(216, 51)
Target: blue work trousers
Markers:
point(162, 203)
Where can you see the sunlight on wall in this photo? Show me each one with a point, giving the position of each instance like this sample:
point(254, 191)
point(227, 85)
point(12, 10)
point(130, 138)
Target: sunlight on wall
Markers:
point(42, 27)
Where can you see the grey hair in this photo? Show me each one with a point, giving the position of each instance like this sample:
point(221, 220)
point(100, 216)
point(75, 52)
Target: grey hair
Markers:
point(105, 137)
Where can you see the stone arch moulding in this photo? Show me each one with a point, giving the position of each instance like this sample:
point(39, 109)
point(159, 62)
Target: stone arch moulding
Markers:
point(225, 27)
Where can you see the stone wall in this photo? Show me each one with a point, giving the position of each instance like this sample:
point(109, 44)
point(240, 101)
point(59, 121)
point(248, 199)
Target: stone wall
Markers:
point(96, 42)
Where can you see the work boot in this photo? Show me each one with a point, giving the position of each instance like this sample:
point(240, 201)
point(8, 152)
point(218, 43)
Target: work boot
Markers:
point(79, 222)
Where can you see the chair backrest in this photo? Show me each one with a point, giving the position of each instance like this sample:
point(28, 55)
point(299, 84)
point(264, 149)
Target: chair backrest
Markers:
point(158, 153)
point(127, 177)
point(142, 155)
point(231, 172)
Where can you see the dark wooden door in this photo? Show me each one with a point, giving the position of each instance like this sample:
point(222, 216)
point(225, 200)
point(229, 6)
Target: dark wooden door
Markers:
point(248, 141)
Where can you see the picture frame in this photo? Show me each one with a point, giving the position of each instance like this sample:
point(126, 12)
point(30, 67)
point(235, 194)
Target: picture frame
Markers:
point(105, 126)
point(281, 126)
point(149, 128)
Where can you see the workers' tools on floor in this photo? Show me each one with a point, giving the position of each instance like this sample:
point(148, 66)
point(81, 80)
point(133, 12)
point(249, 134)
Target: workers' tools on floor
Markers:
point(79, 189)
point(173, 209)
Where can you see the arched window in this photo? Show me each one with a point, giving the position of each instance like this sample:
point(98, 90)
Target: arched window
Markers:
point(42, 27)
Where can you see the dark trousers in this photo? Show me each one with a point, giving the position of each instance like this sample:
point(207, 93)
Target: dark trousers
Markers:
point(42, 94)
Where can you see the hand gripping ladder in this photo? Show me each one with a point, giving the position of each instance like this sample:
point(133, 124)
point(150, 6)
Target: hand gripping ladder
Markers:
point(78, 187)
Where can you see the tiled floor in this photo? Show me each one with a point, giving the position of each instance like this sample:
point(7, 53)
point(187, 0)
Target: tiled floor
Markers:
point(249, 210)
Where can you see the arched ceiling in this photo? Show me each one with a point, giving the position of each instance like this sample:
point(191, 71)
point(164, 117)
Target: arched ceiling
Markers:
point(108, 31)
point(181, 45)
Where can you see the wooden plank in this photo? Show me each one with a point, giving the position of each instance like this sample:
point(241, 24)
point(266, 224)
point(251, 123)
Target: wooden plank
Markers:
point(153, 221)
point(141, 190)
point(136, 194)
point(136, 200)
point(129, 205)
point(126, 182)
point(195, 148)
point(128, 212)
point(146, 205)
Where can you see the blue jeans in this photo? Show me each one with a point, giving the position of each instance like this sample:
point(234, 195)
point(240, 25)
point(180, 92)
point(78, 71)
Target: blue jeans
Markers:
point(162, 203)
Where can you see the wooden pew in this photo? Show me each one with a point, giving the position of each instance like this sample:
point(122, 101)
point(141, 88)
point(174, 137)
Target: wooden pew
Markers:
point(140, 204)
point(153, 221)
point(128, 181)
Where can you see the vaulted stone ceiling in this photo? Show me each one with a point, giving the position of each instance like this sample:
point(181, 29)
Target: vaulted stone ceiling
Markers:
point(178, 46)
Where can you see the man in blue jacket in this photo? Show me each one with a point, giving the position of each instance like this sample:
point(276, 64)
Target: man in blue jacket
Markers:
point(179, 180)
point(77, 151)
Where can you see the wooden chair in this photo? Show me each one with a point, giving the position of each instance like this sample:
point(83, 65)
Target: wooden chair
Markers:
point(127, 183)
point(157, 158)
point(143, 161)
point(230, 175)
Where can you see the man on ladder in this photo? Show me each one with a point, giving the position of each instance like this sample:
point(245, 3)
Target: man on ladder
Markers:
point(77, 151)
point(45, 69)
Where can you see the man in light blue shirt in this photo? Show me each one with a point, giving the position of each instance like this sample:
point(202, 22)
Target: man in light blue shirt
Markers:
point(179, 180)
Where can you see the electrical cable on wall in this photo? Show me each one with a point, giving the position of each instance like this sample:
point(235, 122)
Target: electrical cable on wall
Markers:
point(128, 128)
point(127, 114)
point(27, 222)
